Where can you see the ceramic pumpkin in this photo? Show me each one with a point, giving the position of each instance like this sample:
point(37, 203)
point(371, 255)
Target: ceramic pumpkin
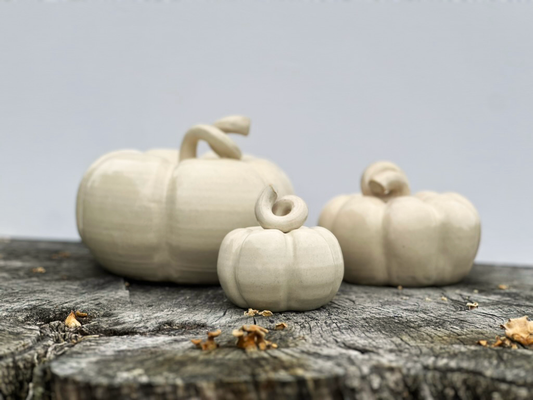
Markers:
point(280, 265)
point(389, 237)
point(161, 215)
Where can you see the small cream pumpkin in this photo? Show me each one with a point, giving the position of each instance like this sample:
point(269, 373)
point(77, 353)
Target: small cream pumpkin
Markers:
point(280, 265)
point(161, 215)
point(391, 238)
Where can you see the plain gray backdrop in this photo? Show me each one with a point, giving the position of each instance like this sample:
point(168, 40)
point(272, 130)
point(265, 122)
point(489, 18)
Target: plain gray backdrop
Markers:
point(444, 89)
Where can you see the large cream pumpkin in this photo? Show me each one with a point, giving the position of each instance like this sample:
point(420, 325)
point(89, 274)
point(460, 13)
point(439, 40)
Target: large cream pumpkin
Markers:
point(389, 237)
point(162, 214)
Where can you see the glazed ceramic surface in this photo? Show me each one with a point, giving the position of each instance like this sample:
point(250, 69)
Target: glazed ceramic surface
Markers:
point(161, 215)
point(280, 265)
point(389, 237)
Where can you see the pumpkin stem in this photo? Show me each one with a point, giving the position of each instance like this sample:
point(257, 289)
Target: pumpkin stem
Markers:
point(285, 214)
point(384, 180)
point(234, 124)
point(215, 136)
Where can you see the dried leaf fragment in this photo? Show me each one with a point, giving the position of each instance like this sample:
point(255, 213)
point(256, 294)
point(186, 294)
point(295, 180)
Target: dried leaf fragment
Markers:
point(241, 342)
point(428, 299)
point(60, 254)
point(209, 343)
point(238, 333)
point(71, 321)
point(472, 306)
point(500, 342)
point(251, 312)
point(80, 314)
point(38, 270)
point(252, 338)
point(443, 298)
point(214, 334)
point(266, 313)
point(503, 287)
point(280, 326)
point(503, 342)
point(520, 330)
point(255, 328)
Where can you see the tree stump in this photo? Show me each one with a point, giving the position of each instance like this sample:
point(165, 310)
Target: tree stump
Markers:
point(369, 342)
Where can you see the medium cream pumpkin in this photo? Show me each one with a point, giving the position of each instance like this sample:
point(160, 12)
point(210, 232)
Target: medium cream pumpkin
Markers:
point(389, 237)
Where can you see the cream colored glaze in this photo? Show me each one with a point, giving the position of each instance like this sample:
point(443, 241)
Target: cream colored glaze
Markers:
point(280, 265)
point(151, 216)
point(391, 238)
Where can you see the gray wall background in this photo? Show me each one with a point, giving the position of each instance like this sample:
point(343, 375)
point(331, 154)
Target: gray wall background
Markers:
point(445, 89)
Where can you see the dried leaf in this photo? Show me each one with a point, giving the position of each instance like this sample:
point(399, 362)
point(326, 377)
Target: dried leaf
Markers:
point(280, 326)
point(214, 334)
point(472, 306)
point(38, 270)
point(500, 342)
point(503, 342)
point(443, 298)
point(520, 330)
point(71, 321)
point(209, 343)
point(251, 312)
point(238, 333)
point(252, 338)
point(255, 328)
point(60, 254)
point(266, 313)
point(80, 314)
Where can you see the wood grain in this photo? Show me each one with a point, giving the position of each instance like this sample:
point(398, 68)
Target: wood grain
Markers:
point(368, 343)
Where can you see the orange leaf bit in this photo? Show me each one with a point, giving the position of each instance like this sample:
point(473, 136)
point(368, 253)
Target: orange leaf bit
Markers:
point(252, 338)
point(209, 343)
point(71, 321)
point(520, 330)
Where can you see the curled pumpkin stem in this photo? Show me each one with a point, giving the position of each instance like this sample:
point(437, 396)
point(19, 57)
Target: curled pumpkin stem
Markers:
point(216, 138)
point(384, 180)
point(285, 214)
point(234, 124)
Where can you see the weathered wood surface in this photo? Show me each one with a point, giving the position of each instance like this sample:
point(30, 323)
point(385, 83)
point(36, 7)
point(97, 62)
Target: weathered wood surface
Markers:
point(368, 343)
